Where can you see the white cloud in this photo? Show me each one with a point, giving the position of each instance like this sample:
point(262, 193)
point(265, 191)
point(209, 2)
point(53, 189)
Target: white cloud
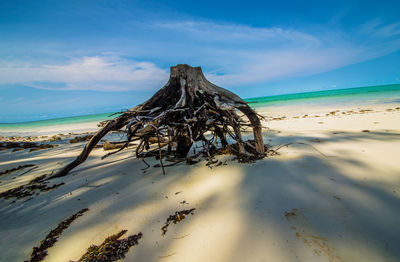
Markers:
point(377, 28)
point(86, 73)
point(231, 55)
point(262, 67)
point(240, 54)
point(209, 31)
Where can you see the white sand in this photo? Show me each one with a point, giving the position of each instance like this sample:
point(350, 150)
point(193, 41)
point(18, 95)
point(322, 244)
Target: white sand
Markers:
point(338, 186)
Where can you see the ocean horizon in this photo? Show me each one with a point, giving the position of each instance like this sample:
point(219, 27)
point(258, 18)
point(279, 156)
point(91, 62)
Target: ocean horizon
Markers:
point(347, 96)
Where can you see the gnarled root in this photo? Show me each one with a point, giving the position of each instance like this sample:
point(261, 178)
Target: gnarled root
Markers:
point(188, 109)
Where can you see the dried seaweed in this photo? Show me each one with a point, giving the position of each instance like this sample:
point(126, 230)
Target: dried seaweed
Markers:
point(175, 218)
point(249, 156)
point(15, 169)
point(36, 185)
point(40, 252)
point(24, 145)
point(78, 139)
point(111, 249)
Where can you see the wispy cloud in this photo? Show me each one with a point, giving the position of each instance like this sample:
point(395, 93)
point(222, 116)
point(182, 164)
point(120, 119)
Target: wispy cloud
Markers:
point(231, 54)
point(262, 67)
point(239, 54)
point(224, 32)
point(377, 28)
point(100, 73)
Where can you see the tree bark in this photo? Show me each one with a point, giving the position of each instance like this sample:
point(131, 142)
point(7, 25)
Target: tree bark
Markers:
point(257, 127)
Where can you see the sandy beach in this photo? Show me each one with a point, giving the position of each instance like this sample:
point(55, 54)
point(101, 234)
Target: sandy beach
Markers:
point(332, 193)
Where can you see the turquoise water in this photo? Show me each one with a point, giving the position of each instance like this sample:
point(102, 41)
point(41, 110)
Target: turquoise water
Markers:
point(364, 95)
point(57, 121)
point(370, 94)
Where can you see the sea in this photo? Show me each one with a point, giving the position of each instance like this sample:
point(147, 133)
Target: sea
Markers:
point(369, 95)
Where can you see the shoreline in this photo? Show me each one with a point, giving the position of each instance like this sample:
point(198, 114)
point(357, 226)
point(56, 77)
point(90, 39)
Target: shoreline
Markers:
point(272, 113)
point(348, 97)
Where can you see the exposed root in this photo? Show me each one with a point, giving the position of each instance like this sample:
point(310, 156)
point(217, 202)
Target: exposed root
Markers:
point(187, 110)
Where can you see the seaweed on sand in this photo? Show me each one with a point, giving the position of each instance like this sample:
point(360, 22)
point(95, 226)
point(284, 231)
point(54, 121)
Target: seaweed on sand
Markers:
point(17, 146)
point(78, 139)
point(36, 185)
point(40, 252)
point(15, 169)
point(175, 218)
point(111, 249)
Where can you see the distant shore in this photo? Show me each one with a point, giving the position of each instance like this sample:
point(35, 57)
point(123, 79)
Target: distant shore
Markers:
point(363, 96)
point(288, 110)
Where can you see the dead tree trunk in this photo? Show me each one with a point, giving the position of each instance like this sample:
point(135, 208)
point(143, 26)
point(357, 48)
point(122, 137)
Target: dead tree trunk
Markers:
point(188, 109)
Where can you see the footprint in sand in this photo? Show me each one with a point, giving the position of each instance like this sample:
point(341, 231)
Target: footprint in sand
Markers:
point(310, 237)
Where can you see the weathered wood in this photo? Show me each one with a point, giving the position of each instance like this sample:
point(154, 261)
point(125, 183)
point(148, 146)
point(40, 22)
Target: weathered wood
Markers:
point(181, 113)
point(115, 124)
point(256, 125)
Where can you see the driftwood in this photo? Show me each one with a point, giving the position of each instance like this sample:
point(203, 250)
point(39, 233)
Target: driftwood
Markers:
point(188, 109)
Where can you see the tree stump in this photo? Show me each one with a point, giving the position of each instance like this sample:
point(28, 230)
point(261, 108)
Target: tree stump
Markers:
point(188, 109)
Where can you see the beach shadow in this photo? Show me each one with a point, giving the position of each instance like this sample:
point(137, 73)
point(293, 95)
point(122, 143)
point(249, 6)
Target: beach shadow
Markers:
point(300, 208)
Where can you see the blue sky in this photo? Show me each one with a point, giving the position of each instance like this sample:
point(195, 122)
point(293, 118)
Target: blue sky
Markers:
point(61, 58)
